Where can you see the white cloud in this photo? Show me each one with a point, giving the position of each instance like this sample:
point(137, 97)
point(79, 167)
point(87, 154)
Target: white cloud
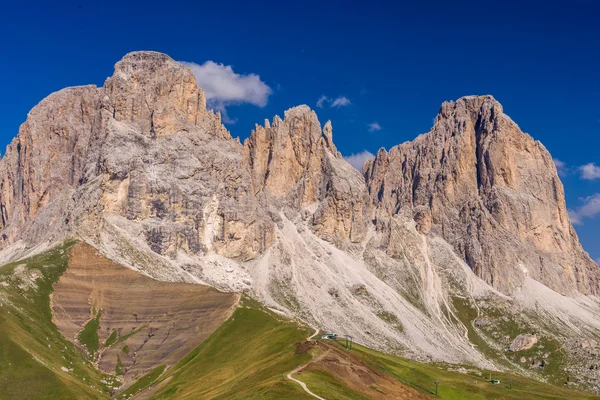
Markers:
point(322, 100)
point(590, 171)
point(358, 160)
point(341, 101)
point(589, 209)
point(561, 167)
point(374, 127)
point(224, 87)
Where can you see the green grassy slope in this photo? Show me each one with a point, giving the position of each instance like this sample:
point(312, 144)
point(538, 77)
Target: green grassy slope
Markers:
point(326, 385)
point(33, 354)
point(143, 382)
point(473, 385)
point(248, 357)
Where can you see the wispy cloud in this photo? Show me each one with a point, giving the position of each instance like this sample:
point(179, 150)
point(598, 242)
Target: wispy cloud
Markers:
point(590, 172)
point(358, 160)
point(589, 209)
point(322, 100)
point(224, 87)
point(561, 167)
point(340, 101)
point(374, 126)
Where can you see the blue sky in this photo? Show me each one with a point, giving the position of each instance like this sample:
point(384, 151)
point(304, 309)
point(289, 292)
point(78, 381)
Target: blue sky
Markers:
point(390, 65)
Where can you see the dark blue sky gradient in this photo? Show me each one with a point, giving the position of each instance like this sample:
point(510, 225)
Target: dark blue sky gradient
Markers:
point(396, 63)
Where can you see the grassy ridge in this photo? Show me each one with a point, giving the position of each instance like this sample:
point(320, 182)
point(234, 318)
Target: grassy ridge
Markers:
point(246, 358)
point(249, 356)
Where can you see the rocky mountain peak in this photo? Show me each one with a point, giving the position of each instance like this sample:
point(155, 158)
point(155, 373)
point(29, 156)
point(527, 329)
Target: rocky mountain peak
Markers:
point(472, 105)
point(144, 62)
point(280, 154)
point(158, 95)
point(490, 189)
point(295, 161)
point(304, 123)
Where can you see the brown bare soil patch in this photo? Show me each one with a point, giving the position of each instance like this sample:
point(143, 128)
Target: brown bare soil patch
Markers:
point(358, 376)
point(304, 347)
point(165, 321)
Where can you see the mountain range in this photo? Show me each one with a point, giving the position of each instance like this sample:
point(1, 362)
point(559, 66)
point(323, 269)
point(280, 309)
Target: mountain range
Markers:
point(453, 248)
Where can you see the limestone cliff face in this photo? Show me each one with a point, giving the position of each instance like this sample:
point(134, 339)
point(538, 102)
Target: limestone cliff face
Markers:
point(144, 154)
point(142, 149)
point(45, 161)
point(492, 192)
point(295, 161)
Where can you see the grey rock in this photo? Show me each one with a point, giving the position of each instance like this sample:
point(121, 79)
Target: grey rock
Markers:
point(523, 342)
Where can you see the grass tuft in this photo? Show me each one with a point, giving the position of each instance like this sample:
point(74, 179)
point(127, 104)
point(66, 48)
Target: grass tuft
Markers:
point(111, 339)
point(89, 334)
point(119, 368)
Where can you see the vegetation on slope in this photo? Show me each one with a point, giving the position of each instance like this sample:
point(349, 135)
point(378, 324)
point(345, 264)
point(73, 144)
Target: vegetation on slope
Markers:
point(546, 360)
point(119, 371)
point(89, 334)
point(142, 383)
point(470, 384)
point(127, 336)
point(36, 362)
point(327, 385)
point(248, 357)
point(111, 339)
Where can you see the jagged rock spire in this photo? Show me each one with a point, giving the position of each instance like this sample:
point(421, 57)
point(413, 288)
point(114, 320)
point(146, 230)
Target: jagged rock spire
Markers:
point(296, 161)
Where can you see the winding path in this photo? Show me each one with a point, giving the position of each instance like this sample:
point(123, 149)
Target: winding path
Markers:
point(289, 376)
point(308, 339)
point(306, 389)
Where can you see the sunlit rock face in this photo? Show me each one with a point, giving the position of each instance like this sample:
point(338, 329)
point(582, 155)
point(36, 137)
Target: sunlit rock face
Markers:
point(491, 191)
point(295, 161)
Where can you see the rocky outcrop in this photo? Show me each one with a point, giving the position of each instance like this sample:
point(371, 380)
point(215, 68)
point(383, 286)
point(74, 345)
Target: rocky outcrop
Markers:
point(158, 96)
point(492, 192)
point(143, 148)
point(45, 162)
point(143, 152)
point(295, 161)
point(523, 342)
